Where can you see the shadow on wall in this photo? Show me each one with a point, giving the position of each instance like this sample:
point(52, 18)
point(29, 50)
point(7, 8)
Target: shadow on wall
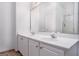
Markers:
point(7, 25)
point(78, 17)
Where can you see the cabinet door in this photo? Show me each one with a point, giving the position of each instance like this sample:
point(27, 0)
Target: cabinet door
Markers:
point(25, 46)
point(33, 48)
point(78, 48)
point(46, 50)
point(20, 43)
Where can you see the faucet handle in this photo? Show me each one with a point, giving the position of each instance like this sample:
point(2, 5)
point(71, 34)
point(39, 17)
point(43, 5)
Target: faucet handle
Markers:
point(32, 33)
point(53, 35)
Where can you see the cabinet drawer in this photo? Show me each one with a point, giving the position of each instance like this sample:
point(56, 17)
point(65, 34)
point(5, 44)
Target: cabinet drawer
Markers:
point(33, 48)
point(20, 43)
point(19, 37)
point(52, 49)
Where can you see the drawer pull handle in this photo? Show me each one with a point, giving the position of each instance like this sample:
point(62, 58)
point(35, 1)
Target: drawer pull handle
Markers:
point(36, 46)
point(21, 38)
point(41, 47)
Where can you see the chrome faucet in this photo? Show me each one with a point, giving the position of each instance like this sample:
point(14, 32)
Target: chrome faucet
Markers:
point(32, 33)
point(53, 35)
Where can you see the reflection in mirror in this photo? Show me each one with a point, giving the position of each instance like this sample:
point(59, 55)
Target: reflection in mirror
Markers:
point(54, 17)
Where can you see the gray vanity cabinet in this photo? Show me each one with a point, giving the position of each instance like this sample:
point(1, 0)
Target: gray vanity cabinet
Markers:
point(78, 48)
point(33, 48)
point(30, 47)
point(40, 49)
point(23, 45)
point(20, 43)
point(47, 50)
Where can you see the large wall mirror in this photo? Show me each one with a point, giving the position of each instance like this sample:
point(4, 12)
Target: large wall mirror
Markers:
point(54, 17)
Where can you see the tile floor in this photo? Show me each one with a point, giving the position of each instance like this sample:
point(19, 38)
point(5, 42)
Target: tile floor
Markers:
point(10, 53)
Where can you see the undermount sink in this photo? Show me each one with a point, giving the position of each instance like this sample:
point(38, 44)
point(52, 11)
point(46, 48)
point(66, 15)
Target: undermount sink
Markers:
point(41, 36)
point(58, 40)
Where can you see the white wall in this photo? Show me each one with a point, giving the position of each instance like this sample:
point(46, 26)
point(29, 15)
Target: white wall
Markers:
point(35, 19)
point(76, 19)
point(43, 17)
point(67, 13)
point(59, 16)
point(7, 26)
point(48, 16)
point(23, 17)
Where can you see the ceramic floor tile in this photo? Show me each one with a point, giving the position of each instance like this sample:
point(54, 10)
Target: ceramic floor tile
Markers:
point(10, 53)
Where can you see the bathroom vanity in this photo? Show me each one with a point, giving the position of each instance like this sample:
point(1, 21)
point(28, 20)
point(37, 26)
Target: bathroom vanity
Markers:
point(30, 45)
point(47, 17)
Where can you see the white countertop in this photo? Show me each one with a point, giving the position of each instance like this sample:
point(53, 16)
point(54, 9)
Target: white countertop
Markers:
point(61, 42)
